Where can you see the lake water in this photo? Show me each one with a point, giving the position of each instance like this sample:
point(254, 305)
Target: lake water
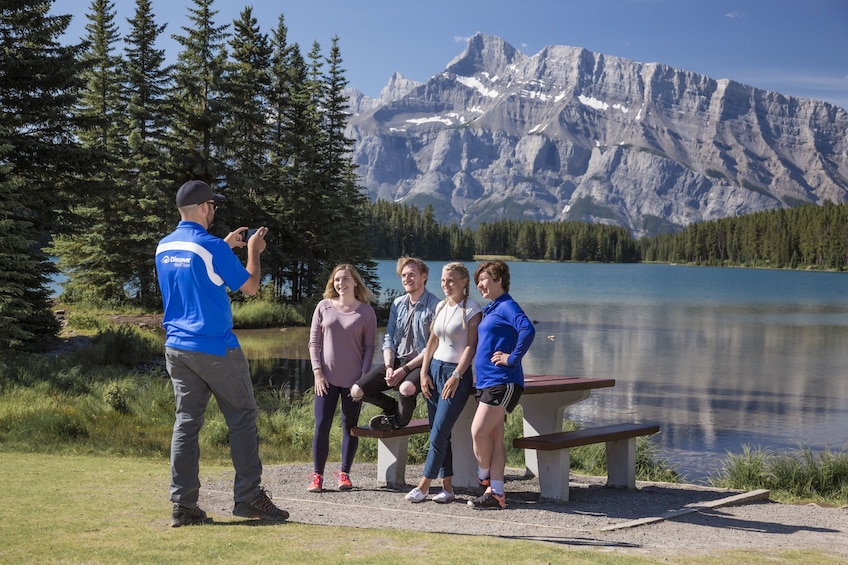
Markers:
point(718, 357)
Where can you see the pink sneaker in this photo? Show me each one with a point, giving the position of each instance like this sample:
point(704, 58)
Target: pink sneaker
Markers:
point(344, 481)
point(317, 484)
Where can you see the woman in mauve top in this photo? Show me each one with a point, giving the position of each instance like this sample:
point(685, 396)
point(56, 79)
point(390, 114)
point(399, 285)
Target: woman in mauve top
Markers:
point(341, 349)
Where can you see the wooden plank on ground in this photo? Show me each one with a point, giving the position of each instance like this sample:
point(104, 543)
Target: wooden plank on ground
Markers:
point(752, 496)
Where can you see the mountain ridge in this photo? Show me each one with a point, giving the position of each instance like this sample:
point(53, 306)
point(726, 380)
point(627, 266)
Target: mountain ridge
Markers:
point(569, 134)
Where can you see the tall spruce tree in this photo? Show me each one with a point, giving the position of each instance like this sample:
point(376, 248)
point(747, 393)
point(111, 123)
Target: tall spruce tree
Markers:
point(40, 163)
point(276, 203)
point(246, 95)
point(245, 106)
point(92, 257)
point(197, 77)
point(147, 203)
point(349, 213)
point(305, 197)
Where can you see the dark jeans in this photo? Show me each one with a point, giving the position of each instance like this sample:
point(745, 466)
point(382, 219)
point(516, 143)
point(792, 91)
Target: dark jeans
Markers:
point(325, 411)
point(373, 384)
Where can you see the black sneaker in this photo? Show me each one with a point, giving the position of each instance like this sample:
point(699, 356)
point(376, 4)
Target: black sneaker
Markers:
point(488, 500)
point(261, 508)
point(383, 423)
point(185, 516)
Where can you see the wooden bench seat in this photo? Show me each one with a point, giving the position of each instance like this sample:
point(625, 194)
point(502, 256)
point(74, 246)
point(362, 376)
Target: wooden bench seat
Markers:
point(392, 449)
point(554, 459)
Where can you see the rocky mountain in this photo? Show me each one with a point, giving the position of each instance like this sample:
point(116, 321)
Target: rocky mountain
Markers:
point(568, 134)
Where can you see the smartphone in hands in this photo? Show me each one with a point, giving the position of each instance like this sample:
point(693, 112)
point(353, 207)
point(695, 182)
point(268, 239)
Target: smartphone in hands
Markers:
point(247, 234)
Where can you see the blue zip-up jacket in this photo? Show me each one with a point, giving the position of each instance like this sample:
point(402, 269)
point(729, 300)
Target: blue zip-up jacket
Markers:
point(504, 327)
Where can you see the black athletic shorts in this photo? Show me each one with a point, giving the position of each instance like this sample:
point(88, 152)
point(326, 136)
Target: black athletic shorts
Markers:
point(500, 395)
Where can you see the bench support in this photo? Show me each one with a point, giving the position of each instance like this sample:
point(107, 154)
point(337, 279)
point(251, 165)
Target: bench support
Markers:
point(554, 460)
point(392, 449)
point(543, 414)
point(391, 460)
point(621, 463)
point(552, 471)
point(554, 468)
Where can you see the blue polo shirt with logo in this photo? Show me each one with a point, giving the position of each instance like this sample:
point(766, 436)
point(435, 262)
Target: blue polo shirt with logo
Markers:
point(194, 270)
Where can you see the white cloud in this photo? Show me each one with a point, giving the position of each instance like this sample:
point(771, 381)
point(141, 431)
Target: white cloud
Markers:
point(734, 15)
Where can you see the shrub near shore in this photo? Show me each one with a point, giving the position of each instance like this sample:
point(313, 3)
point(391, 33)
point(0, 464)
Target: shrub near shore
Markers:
point(113, 397)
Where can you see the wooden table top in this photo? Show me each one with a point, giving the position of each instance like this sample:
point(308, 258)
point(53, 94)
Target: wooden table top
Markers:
point(537, 384)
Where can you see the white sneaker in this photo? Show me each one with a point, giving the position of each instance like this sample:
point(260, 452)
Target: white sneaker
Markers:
point(415, 495)
point(444, 497)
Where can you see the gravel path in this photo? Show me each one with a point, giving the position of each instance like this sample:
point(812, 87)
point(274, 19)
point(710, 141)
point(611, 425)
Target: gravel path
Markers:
point(595, 516)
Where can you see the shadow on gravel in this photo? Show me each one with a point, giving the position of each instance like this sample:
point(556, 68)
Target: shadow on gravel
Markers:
point(719, 519)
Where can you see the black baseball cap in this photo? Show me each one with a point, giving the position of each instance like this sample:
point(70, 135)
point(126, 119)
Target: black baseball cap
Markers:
point(196, 192)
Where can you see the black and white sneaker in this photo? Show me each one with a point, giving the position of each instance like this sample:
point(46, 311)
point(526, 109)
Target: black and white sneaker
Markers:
point(488, 500)
point(383, 423)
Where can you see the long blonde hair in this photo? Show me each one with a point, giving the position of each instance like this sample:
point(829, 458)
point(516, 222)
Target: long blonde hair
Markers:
point(360, 291)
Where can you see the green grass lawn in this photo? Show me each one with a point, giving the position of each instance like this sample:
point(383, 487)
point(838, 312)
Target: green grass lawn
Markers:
point(92, 509)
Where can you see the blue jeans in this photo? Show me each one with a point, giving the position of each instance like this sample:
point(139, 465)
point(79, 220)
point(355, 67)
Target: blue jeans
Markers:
point(196, 377)
point(443, 413)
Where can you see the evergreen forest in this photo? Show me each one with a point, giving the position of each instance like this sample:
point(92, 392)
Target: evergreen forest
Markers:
point(97, 136)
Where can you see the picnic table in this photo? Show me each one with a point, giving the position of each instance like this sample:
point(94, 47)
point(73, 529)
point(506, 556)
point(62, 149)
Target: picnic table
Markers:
point(543, 401)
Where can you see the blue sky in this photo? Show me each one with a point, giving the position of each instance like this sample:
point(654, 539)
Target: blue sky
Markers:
point(796, 47)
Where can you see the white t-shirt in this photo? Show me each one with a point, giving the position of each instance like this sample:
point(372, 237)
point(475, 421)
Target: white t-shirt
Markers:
point(452, 333)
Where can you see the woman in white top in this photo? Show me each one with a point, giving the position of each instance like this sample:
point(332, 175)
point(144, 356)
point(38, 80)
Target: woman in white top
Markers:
point(446, 379)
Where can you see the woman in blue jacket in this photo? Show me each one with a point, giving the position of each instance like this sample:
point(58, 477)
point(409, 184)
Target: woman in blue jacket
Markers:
point(504, 335)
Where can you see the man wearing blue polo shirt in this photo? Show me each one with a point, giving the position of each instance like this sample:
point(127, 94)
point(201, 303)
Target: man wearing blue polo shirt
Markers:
point(203, 356)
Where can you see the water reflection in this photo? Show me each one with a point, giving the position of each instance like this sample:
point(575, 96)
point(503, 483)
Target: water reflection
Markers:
point(279, 359)
point(714, 377)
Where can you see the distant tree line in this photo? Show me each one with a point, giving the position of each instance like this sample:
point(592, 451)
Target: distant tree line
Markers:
point(397, 229)
point(806, 237)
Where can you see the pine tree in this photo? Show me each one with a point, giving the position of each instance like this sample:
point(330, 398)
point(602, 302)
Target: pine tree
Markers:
point(197, 77)
point(246, 94)
point(303, 197)
point(245, 88)
point(347, 215)
point(146, 208)
point(92, 257)
point(275, 203)
point(40, 163)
